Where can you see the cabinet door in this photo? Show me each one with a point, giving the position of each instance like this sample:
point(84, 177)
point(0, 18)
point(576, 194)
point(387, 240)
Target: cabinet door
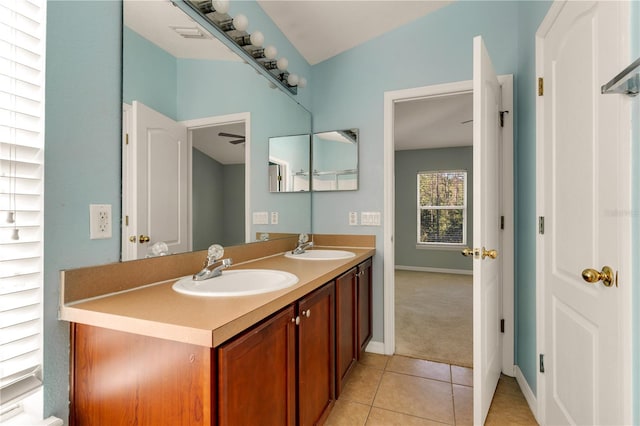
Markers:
point(256, 376)
point(346, 326)
point(120, 378)
point(316, 356)
point(365, 303)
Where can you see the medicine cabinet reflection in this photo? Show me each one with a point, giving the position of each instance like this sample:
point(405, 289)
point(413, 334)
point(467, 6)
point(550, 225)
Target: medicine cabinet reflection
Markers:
point(289, 163)
point(335, 160)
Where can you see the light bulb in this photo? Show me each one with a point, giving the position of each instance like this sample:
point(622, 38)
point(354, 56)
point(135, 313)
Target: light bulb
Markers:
point(282, 64)
point(221, 6)
point(240, 22)
point(302, 82)
point(270, 52)
point(292, 79)
point(257, 38)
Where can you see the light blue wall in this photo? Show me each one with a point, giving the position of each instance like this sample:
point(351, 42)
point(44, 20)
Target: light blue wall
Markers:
point(205, 89)
point(348, 92)
point(407, 165)
point(530, 15)
point(151, 75)
point(82, 161)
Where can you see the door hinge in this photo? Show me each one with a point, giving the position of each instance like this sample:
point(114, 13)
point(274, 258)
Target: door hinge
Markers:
point(502, 113)
point(542, 363)
point(126, 138)
point(502, 325)
point(501, 222)
point(541, 225)
point(126, 220)
point(540, 86)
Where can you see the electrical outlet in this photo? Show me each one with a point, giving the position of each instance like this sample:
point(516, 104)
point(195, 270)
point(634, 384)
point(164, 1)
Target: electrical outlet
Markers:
point(274, 218)
point(99, 221)
point(353, 218)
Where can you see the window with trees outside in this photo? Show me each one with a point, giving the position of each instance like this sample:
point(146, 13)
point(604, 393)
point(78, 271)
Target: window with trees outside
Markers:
point(442, 207)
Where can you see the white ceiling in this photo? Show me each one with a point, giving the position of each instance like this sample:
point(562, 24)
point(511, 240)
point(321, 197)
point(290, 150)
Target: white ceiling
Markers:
point(435, 122)
point(320, 30)
point(218, 147)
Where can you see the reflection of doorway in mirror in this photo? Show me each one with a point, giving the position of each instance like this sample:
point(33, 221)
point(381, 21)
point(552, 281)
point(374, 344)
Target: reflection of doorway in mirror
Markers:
point(218, 184)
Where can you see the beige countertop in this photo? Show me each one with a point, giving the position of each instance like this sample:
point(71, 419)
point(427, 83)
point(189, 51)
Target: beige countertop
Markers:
point(156, 310)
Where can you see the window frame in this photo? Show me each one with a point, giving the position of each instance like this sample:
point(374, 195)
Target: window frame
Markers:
point(420, 208)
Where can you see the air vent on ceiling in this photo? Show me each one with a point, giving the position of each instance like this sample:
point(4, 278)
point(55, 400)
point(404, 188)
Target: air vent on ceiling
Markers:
point(190, 32)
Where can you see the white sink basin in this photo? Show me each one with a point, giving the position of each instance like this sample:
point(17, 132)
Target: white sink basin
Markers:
point(319, 254)
point(241, 282)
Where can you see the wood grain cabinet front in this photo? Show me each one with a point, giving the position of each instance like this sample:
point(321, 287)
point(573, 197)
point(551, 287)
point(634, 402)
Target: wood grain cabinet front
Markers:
point(259, 369)
point(365, 305)
point(346, 326)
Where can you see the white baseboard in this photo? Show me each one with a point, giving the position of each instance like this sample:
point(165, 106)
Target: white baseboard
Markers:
point(438, 270)
point(375, 347)
point(527, 392)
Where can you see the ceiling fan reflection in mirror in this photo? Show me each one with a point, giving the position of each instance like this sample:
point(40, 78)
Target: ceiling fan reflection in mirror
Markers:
point(241, 138)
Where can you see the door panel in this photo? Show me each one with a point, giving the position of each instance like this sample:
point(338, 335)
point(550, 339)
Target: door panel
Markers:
point(582, 192)
point(487, 286)
point(161, 173)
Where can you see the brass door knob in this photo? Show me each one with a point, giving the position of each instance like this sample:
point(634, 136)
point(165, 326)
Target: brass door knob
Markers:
point(143, 239)
point(606, 276)
point(467, 252)
point(489, 253)
point(133, 238)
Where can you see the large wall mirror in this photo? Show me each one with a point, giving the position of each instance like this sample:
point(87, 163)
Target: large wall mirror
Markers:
point(226, 113)
point(289, 162)
point(335, 160)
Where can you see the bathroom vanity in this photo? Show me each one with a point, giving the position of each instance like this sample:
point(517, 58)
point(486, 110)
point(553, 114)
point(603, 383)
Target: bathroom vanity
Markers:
point(143, 354)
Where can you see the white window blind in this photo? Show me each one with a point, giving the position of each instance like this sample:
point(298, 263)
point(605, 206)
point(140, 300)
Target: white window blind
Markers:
point(22, 48)
point(442, 207)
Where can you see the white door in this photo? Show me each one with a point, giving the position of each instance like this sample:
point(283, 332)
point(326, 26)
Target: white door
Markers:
point(583, 195)
point(160, 172)
point(487, 286)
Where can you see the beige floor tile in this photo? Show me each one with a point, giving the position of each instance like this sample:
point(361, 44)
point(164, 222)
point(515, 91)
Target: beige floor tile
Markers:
point(416, 396)
point(463, 404)
point(509, 405)
point(348, 413)
point(362, 384)
point(419, 367)
point(380, 417)
point(461, 375)
point(374, 360)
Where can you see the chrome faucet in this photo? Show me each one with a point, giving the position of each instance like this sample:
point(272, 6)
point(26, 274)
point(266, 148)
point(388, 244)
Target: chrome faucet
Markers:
point(303, 244)
point(213, 265)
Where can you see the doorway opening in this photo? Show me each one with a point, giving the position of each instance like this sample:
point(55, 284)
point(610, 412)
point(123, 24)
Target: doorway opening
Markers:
point(219, 179)
point(392, 101)
point(433, 156)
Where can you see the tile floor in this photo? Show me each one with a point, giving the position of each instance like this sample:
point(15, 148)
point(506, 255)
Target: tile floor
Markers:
point(396, 390)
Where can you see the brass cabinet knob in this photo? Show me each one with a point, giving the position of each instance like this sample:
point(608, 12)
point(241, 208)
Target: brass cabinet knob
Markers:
point(489, 253)
point(143, 239)
point(606, 276)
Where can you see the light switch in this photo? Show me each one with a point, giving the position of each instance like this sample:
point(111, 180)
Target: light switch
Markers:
point(274, 218)
point(260, 218)
point(370, 218)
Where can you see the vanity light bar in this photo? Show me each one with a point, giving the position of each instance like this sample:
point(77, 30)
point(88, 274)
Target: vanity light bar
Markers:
point(234, 30)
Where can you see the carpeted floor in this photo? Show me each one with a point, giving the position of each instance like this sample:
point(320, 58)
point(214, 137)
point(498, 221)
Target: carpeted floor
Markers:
point(434, 316)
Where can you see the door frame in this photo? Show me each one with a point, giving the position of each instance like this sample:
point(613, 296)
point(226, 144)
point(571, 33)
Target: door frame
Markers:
point(390, 98)
point(625, 236)
point(220, 120)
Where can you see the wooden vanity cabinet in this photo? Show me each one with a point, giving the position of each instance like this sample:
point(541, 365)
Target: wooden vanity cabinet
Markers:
point(258, 370)
point(365, 305)
point(346, 326)
point(353, 319)
point(257, 374)
point(120, 378)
